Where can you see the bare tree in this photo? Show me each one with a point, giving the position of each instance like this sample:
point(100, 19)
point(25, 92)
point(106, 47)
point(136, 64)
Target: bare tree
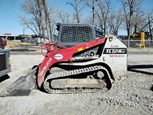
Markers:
point(115, 20)
point(52, 20)
point(150, 20)
point(77, 6)
point(30, 8)
point(38, 18)
point(40, 22)
point(64, 16)
point(91, 4)
point(89, 19)
point(29, 24)
point(130, 7)
point(45, 6)
point(138, 22)
point(104, 9)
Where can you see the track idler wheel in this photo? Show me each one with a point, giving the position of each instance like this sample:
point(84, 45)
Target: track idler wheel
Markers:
point(100, 74)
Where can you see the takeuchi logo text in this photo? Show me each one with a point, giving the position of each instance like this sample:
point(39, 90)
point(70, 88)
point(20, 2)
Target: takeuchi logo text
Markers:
point(45, 67)
point(58, 56)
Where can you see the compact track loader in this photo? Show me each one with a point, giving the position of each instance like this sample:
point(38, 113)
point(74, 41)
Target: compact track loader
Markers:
point(94, 63)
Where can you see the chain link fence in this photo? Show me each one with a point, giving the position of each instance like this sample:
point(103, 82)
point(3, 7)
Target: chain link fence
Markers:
point(138, 46)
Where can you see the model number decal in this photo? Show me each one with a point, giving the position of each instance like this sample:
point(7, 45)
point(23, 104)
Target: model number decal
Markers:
point(115, 51)
point(116, 55)
point(58, 56)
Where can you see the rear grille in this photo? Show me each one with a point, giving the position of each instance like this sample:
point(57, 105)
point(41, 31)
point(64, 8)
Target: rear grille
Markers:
point(76, 34)
point(2, 62)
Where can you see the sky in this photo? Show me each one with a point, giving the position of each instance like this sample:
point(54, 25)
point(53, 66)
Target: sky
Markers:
point(10, 10)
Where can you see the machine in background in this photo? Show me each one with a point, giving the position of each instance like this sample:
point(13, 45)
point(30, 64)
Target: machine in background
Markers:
point(5, 66)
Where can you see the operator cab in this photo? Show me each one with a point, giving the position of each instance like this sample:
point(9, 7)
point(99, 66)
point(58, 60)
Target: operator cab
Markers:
point(73, 34)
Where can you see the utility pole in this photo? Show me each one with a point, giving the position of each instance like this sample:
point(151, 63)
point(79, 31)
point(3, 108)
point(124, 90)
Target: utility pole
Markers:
point(93, 10)
point(23, 31)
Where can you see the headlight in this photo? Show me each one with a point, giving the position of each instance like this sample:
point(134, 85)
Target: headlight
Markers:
point(44, 51)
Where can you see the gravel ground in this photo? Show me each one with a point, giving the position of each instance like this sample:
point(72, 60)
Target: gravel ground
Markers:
point(132, 96)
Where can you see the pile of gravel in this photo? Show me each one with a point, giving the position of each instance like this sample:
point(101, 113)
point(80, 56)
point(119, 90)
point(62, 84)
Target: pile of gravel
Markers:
point(132, 96)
